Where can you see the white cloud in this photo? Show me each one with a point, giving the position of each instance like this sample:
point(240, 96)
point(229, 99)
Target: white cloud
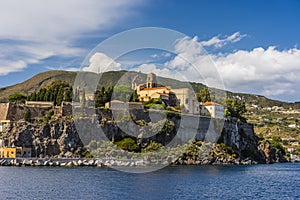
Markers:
point(218, 43)
point(58, 19)
point(37, 30)
point(11, 66)
point(100, 63)
point(270, 72)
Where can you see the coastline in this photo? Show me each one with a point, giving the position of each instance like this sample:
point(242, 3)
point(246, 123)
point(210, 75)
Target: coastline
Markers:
point(97, 162)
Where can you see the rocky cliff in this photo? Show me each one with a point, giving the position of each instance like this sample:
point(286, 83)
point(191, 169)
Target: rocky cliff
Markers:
point(57, 138)
point(64, 137)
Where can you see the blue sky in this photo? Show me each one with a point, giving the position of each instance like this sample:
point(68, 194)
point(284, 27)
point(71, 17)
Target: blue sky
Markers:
point(253, 43)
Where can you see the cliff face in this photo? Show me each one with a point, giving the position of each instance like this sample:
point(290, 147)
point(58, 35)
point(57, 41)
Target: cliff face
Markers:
point(66, 138)
point(241, 137)
point(57, 138)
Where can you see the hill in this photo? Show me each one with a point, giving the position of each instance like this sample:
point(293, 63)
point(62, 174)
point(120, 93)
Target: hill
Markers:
point(112, 78)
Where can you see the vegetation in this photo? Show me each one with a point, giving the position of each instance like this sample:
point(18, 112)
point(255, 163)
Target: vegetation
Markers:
point(128, 144)
point(56, 92)
point(204, 95)
point(102, 96)
point(235, 108)
point(17, 98)
point(27, 116)
point(153, 146)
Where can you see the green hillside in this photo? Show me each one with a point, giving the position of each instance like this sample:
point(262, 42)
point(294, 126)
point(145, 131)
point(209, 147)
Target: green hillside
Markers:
point(108, 79)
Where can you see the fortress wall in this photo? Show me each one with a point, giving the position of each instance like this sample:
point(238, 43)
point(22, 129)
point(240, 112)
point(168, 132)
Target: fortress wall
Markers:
point(3, 110)
point(17, 112)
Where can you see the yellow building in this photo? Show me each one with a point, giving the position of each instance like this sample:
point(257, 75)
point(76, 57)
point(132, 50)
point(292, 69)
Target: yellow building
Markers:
point(6, 152)
point(13, 152)
point(153, 93)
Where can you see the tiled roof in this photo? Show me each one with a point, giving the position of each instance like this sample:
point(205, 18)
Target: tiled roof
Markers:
point(210, 103)
point(157, 88)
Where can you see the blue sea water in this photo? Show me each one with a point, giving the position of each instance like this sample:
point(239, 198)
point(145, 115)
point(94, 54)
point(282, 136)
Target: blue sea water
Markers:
point(277, 181)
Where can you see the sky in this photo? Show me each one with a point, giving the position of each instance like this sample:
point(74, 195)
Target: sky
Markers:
point(252, 45)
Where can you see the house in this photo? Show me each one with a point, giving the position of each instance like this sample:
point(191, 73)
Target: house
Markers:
point(215, 110)
point(15, 152)
point(292, 126)
point(147, 94)
point(8, 152)
point(290, 150)
point(23, 152)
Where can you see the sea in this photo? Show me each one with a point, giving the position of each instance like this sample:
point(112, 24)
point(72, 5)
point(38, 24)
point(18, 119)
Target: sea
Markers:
point(275, 181)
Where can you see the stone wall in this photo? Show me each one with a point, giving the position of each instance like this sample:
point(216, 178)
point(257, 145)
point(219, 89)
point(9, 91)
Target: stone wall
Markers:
point(3, 110)
point(17, 112)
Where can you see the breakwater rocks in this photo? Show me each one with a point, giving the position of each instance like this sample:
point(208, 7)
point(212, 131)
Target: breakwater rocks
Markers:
point(80, 162)
point(74, 162)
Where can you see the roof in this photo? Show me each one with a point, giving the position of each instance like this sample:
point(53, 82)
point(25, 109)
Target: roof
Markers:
point(210, 103)
point(157, 88)
point(116, 101)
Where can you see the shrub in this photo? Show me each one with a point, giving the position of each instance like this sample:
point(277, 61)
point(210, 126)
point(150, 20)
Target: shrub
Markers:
point(153, 146)
point(128, 144)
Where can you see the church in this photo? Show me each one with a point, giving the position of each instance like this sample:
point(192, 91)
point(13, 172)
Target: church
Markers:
point(170, 97)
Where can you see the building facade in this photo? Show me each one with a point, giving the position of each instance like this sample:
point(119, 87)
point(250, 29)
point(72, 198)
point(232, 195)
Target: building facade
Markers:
point(7, 152)
point(213, 109)
point(187, 101)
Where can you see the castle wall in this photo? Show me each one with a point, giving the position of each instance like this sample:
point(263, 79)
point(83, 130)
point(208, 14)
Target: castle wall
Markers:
point(3, 110)
point(17, 112)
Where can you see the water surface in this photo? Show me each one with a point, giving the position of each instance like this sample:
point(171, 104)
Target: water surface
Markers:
point(277, 181)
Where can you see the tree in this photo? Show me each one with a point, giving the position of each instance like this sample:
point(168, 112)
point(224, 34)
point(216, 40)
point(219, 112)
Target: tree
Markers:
point(204, 95)
point(59, 97)
point(32, 97)
point(27, 116)
point(56, 91)
point(128, 144)
point(134, 97)
point(235, 108)
point(102, 96)
point(17, 98)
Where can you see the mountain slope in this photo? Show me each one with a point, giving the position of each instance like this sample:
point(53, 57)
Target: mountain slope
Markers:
point(112, 78)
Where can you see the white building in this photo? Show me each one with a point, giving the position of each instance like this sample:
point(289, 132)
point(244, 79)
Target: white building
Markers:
point(215, 110)
point(292, 126)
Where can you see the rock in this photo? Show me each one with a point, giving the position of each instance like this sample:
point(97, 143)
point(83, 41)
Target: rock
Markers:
point(70, 164)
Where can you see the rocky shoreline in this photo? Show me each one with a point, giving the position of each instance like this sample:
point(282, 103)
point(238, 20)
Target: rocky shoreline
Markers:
point(73, 162)
point(93, 162)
